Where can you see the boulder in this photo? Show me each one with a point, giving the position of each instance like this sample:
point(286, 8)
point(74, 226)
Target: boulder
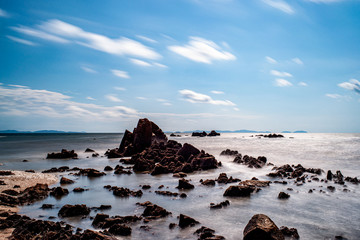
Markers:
point(187, 150)
point(199, 134)
point(155, 211)
point(89, 150)
point(184, 184)
point(120, 229)
point(229, 152)
point(290, 232)
point(186, 221)
point(261, 226)
point(208, 182)
point(65, 180)
point(74, 210)
point(283, 195)
point(213, 133)
point(63, 154)
point(239, 191)
point(58, 192)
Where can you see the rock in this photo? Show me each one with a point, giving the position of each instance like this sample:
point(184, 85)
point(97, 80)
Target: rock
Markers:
point(11, 192)
point(65, 180)
point(167, 193)
point(125, 192)
point(261, 226)
point(184, 184)
point(213, 133)
point(63, 154)
point(239, 191)
point(274, 135)
point(186, 221)
point(251, 161)
point(108, 168)
point(187, 150)
point(120, 229)
point(59, 192)
point(199, 134)
point(205, 233)
point(146, 187)
point(283, 195)
point(90, 172)
point(47, 206)
point(219, 205)
point(89, 234)
point(183, 195)
point(255, 183)
point(74, 210)
point(172, 225)
point(78, 189)
point(208, 182)
point(121, 170)
point(30, 171)
point(290, 232)
point(6, 173)
point(180, 175)
point(229, 152)
point(331, 188)
point(154, 211)
point(89, 150)
point(159, 169)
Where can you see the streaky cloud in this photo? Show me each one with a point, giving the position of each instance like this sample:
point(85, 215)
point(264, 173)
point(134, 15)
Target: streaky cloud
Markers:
point(39, 34)
point(282, 83)
point(280, 5)
point(352, 84)
point(120, 74)
point(280, 74)
point(270, 60)
point(195, 97)
point(22, 41)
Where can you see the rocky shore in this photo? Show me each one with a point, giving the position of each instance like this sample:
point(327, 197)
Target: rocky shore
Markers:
point(147, 151)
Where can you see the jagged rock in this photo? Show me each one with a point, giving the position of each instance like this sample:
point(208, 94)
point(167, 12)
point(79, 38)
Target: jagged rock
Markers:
point(108, 168)
point(90, 172)
point(220, 205)
point(63, 154)
point(89, 150)
point(154, 211)
point(199, 134)
point(251, 161)
point(47, 206)
point(208, 182)
point(283, 195)
point(11, 192)
point(213, 133)
point(205, 233)
point(6, 173)
point(239, 191)
point(274, 135)
point(74, 210)
point(261, 226)
point(186, 221)
point(146, 187)
point(125, 192)
point(167, 193)
point(121, 170)
point(59, 192)
point(229, 152)
point(120, 229)
point(184, 184)
point(255, 183)
point(78, 189)
point(187, 150)
point(290, 232)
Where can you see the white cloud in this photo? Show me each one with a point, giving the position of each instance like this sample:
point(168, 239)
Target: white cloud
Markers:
point(280, 5)
point(121, 46)
point(282, 83)
point(270, 60)
point(20, 40)
point(236, 109)
point(161, 100)
point(167, 104)
point(39, 34)
point(217, 92)
point(90, 98)
point(335, 96)
point(159, 65)
point(303, 84)
point(140, 62)
point(352, 84)
point(202, 50)
point(280, 74)
point(113, 98)
point(297, 61)
point(3, 13)
point(119, 73)
point(141, 98)
point(195, 97)
point(146, 39)
point(17, 86)
point(120, 88)
point(19, 101)
point(89, 70)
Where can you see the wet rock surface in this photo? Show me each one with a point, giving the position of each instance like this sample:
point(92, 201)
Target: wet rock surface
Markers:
point(29, 195)
point(74, 210)
point(153, 211)
point(184, 184)
point(63, 154)
point(261, 226)
point(251, 162)
point(239, 191)
point(220, 205)
point(124, 192)
point(186, 221)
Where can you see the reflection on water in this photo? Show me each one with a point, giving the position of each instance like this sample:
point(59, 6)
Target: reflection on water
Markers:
point(316, 215)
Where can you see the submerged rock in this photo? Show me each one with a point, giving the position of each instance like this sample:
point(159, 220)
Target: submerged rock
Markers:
point(186, 221)
point(290, 232)
point(261, 226)
point(74, 210)
point(63, 154)
point(184, 184)
point(65, 180)
point(239, 191)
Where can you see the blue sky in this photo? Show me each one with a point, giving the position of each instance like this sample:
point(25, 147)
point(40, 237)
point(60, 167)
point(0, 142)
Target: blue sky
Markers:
point(98, 66)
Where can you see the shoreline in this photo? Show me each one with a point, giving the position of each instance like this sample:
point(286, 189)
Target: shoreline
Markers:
point(23, 180)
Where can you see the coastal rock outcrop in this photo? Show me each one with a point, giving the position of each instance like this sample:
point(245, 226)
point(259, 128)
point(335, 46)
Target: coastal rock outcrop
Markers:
point(261, 226)
point(74, 210)
point(63, 154)
point(251, 162)
point(151, 152)
point(239, 191)
point(186, 221)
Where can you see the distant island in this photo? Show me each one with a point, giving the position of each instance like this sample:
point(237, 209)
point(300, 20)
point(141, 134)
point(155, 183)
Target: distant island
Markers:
point(39, 131)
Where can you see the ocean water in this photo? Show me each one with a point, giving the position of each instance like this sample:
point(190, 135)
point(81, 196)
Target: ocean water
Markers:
point(316, 215)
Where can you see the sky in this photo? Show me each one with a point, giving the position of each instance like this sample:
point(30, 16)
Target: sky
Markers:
point(99, 66)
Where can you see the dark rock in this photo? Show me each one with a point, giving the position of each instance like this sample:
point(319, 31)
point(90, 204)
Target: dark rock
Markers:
point(261, 226)
point(161, 186)
point(95, 155)
point(167, 193)
point(146, 187)
point(219, 205)
point(6, 173)
point(25, 160)
point(65, 180)
point(186, 221)
point(183, 195)
point(120, 229)
point(121, 170)
point(274, 135)
point(205, 233)
point(251, 161)
point(172, 225)
point(78, 189)
point(229, 152)
point(15, 186)
point(159, 169)
point(290, 232)
point(11, 192)
point(90, 172)
point(74, 210)
point(180, 174)
point(89, 150)
point(108, 168)
point(208, 182)
point(283, 195)
point(47, 206)
point(155, 211)
point(63, 154)
point(187, 150)
point(239, 191)
point(213, 133)
point(59, 192)
point(125, 192)
point(30, 171)
point(199, 134)
point(255, 183)
point(331, 188)
point(184, 184)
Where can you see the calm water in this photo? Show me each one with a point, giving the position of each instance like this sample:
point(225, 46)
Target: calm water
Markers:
point(316, 216)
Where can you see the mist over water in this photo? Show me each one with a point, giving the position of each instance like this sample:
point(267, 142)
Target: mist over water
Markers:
point(316, 215)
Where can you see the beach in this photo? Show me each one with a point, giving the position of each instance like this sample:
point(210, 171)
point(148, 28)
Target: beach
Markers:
point(317, 207)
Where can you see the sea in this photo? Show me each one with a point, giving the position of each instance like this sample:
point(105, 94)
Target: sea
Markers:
point(321, 214)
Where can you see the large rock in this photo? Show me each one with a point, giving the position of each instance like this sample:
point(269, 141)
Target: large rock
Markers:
point(184, 184)
point(239, 191)
point(63, 154)
point(155, 211)
point(186, 221)
point(187, 150)
point(262, 227)
point(74, 210)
